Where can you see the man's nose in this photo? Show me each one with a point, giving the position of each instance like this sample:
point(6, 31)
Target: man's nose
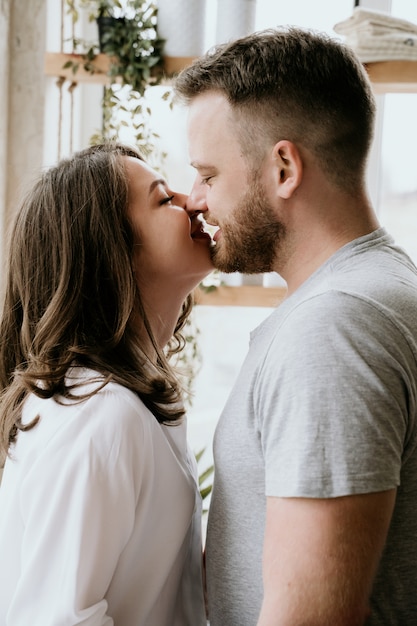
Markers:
point(196, 201)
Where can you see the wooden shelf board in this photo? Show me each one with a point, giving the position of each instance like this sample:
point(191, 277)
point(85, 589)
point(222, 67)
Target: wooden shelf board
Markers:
point(393, 76)
point(245, 295)
point(55, 61)
point(173, 65)
point(386, 76)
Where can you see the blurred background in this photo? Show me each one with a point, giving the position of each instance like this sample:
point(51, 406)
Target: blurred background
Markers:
point(46, 114)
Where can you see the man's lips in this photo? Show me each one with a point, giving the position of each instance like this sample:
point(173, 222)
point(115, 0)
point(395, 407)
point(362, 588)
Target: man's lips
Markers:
point(217, 234)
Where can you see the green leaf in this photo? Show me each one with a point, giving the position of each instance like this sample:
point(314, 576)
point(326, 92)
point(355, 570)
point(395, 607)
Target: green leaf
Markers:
point(206, 491)
point(206, 474)
point(199, 454)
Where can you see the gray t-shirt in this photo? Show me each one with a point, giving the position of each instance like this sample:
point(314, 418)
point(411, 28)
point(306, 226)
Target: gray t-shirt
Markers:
point(324, 406)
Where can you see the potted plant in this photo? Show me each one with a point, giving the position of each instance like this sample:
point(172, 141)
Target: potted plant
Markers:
point(129, 37)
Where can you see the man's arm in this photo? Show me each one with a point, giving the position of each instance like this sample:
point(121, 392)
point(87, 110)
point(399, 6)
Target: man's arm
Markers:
point(320, 558)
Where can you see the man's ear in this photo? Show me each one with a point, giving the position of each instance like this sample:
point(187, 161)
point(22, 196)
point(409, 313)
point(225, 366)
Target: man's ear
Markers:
point(289, 168)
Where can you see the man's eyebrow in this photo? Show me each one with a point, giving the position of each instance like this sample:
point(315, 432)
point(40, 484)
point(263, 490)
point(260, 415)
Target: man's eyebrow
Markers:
point(201, 166)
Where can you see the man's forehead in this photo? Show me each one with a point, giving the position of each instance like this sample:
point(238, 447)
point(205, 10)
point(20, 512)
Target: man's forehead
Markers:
point(209, 106)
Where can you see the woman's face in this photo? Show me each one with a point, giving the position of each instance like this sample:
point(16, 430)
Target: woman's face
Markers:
point(172, 251)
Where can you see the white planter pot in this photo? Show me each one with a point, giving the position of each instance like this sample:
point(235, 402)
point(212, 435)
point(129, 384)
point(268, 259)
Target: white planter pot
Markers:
point(182, 24)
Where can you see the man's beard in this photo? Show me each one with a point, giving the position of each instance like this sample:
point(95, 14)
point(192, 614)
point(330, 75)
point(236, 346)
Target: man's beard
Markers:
point(250, 238)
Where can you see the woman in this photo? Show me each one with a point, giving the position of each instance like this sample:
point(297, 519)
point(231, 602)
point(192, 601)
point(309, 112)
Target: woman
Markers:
point(99, 504)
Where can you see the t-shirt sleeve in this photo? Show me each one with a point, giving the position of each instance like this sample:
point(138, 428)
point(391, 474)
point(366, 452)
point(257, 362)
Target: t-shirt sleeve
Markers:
point(331, 400)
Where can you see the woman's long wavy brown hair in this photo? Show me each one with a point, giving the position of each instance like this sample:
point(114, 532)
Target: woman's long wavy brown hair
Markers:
point(71, 294)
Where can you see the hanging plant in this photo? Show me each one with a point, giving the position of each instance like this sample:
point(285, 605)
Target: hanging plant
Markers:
point(127, 34)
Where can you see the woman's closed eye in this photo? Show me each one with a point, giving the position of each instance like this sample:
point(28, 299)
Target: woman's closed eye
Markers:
point(167, 199)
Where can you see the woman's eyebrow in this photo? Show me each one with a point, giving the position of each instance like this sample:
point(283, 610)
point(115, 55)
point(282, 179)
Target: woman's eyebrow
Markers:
point(155, 183)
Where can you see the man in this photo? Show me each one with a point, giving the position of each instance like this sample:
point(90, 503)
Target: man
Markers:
point(313, 518)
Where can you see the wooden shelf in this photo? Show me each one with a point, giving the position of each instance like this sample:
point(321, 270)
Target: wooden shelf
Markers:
point(386, 76)
point(245, 295)
point(393, 76)
point(55, 61)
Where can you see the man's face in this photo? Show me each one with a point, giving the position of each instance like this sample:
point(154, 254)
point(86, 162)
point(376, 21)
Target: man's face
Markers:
point(230, 194)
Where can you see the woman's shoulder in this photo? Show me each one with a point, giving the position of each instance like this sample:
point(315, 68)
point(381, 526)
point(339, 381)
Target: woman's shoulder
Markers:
point(108, 402)
point(101, 416)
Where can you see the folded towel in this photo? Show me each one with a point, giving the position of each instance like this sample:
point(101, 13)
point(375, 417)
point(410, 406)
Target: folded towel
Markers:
point(372, 19)
point(379, 36)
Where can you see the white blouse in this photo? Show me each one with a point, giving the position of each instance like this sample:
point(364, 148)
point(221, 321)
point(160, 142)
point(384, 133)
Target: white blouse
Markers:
point(100, 518)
